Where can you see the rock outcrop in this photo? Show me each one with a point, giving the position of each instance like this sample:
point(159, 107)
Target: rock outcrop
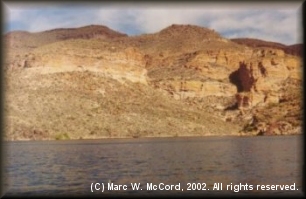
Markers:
point(120, 64)
point(264, 73)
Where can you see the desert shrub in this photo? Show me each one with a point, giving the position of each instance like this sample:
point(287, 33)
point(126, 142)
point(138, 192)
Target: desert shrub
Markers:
point(62, 136)
point(249, 127)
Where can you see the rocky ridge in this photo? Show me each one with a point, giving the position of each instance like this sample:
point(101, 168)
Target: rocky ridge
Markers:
point(295, 49)
point(182, 81)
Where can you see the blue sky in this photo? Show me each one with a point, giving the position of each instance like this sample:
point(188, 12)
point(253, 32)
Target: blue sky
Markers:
point(278, 22)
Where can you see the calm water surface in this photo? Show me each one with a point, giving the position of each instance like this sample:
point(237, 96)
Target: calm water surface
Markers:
point(70, 167)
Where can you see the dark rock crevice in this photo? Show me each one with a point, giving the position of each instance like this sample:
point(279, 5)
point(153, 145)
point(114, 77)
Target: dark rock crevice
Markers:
point(242, 78)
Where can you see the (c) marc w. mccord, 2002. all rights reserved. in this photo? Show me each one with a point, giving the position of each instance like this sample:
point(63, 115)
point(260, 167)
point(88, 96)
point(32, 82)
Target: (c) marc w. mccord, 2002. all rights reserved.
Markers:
point(101, 187)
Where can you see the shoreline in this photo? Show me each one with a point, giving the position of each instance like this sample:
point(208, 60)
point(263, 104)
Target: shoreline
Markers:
point(145, 137)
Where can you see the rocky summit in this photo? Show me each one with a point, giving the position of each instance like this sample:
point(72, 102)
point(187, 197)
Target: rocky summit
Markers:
point(93, 82)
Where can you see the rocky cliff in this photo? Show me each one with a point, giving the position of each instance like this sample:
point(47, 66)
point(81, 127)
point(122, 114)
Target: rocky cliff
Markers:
point(185, 80)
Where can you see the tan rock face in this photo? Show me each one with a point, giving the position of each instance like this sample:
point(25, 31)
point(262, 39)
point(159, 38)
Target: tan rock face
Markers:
point(120, 64)
point(264, 73)
point(253, 76)
point(259, 71)
point(227, 59)
point(197, 89)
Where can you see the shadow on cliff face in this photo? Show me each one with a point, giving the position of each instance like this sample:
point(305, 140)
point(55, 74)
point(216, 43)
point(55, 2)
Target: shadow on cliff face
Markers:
point(242, 78)
point(232, 107)
point(234, 79)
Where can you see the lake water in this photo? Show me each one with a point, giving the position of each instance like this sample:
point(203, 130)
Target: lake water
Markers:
point(81, 167)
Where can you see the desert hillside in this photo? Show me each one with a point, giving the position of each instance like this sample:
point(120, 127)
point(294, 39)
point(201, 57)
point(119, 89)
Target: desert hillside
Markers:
point(93, 82)
point(295, 49)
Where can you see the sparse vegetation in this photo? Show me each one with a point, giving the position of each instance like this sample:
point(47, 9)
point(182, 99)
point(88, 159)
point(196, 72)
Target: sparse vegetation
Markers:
point(62, 136)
